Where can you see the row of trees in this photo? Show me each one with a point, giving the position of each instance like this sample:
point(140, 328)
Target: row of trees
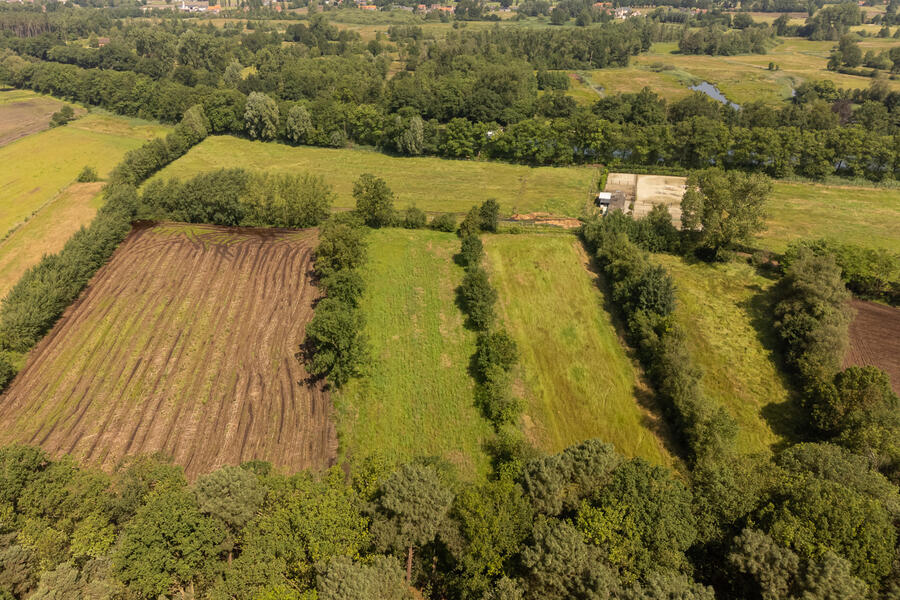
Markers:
point(496, 352)
point(643, 137)
point(853, 407)
point(237, 197)
point(646, 295)
point(336, 346)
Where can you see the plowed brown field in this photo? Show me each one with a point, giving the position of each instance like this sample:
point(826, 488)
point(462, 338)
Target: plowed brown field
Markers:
point(875, 339)
point(184, 343)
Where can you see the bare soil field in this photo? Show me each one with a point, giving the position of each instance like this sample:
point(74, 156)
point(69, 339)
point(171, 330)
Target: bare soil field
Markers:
point(875, 339)
point(184, 343)
point(645, 191)
point(24, 117)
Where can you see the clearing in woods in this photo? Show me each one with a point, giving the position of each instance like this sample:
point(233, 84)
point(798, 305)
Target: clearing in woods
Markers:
point(184, 343)
point(432, 184)
point(574, 374)
point(742, 79)
point(417, 397)
point(875, 339)
point(34, 169)
point(726, 313)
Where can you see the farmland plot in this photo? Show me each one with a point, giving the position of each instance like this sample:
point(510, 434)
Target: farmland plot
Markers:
point(574, 374)
point(184, 343)
point(875, 339)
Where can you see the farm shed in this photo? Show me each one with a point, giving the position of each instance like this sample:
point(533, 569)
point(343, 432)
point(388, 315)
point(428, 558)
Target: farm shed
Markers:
point(608, 201)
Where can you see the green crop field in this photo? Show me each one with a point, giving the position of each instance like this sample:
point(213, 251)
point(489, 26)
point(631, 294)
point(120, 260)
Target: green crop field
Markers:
point(34, 169)
point(577, 381)
point(417, 399)
point(725, 310)
point(432, 184)
point(866, 216)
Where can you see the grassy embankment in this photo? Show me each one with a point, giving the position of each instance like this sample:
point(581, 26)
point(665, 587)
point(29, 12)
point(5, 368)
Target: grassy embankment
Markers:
point(573, 372)
point(417, 398)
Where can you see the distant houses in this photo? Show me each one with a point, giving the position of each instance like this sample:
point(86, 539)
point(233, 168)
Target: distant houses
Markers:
point(200, 7)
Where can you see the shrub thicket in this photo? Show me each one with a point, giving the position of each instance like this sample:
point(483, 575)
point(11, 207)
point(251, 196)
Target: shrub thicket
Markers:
point(237, 197)
point(854, 407)
point(87, 175)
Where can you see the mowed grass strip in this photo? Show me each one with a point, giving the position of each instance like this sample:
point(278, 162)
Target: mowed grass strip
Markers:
point(417, 398)
point(865, 216)
point(48, 231)
point(574, 374)
point(36, 168)
point(432, 184)
point(725, 311)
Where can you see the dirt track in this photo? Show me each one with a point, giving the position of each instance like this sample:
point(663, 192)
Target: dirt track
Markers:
point(875, 339)
point(184, 343)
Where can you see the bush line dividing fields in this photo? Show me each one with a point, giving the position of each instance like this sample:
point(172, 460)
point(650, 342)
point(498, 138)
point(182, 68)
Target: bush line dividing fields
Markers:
point(183, 343)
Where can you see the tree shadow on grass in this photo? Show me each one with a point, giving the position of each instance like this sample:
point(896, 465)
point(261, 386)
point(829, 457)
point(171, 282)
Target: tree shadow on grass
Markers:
point(784, 418)
point(653, 414)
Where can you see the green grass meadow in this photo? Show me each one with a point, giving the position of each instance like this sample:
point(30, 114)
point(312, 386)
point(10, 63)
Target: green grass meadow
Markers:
point(432, 184)
point(743, 78)
point(573, 371)
point(417, 398)
point(725, 310)
point(34, 169)
point(867, 216)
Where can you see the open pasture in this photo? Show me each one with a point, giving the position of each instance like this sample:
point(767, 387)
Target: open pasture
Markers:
point(573, 372)
point(48, 231)
point(34, 169)
point(416, 398)
point(866, 216)
point(725, 311)
point(184, 343)
point(875, 339)
point(432, 184)
point(742, 79)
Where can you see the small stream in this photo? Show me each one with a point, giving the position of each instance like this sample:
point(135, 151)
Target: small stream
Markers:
point(715, 93)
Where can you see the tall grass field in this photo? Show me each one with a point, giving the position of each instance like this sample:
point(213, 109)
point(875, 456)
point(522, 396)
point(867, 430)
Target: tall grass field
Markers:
point(726, 311)
point(417, 398)
point(573, 371)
